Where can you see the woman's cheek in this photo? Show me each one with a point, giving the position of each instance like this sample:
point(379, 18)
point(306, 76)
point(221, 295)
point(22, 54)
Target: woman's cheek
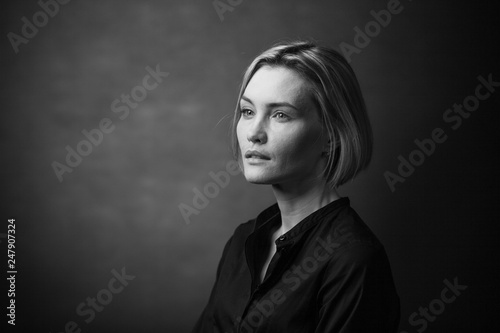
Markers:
point(240, 135)
point(305, 141)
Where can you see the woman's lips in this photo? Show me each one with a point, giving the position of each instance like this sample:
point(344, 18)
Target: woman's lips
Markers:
point(256, 154)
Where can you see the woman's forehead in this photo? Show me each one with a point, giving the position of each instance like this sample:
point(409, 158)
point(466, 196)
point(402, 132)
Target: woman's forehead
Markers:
point(278, 85)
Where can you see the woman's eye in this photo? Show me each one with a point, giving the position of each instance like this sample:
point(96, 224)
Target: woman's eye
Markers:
point(281, 116)
point(246, 112)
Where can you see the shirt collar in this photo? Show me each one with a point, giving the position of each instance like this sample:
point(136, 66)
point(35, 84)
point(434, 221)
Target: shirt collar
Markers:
point(270, 219)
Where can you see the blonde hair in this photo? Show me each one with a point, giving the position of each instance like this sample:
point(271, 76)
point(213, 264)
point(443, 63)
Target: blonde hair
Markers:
point(338, 96)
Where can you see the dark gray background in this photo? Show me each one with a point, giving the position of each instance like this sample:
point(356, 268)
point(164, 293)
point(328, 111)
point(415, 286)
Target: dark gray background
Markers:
point(120, 206)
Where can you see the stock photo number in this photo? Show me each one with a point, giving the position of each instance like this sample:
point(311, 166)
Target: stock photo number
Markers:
point(11, 271)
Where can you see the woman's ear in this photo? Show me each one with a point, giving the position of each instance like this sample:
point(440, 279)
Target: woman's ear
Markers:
point(327, 148)
point(330, 148)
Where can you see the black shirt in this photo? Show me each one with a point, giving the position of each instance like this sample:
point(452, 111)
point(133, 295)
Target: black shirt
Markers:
point(329, 274)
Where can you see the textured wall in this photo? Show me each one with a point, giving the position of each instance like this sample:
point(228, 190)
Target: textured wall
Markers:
point(118, 208)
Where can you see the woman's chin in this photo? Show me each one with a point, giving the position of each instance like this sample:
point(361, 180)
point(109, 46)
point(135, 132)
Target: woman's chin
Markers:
point(258, 179)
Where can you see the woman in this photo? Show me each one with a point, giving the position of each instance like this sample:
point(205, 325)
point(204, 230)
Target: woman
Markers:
point(308, 263)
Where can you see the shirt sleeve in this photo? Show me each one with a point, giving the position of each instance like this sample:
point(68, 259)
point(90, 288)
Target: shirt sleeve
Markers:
point(205, 322)
point(357, 293)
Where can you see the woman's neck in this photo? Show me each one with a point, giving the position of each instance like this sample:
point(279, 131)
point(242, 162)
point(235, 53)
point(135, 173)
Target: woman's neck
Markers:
point(300, 200)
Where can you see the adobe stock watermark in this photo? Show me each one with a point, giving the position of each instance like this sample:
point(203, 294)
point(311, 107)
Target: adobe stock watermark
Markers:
point(211, 190)
point(120, 106)
point(222, 6)
point(29, 30)
point(292, 279)
point(426, 315)
point(372, 29)
point(453, 116)
point(92, 305)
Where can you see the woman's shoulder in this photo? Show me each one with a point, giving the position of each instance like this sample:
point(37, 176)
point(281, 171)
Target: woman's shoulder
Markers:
point(354, 239)
point(348, 227)
point(244, 229)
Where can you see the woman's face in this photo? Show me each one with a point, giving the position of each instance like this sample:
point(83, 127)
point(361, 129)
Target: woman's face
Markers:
point(279, 132)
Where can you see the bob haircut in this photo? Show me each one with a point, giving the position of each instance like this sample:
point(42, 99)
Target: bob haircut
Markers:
point(337, 95)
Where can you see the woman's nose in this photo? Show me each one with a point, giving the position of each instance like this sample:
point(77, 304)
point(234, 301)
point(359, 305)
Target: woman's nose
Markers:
point(257, 133)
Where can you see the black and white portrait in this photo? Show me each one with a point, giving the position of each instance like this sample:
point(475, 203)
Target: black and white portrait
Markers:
point(249, 166)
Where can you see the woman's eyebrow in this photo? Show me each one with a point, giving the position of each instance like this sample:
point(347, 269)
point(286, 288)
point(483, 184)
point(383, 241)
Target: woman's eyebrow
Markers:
point(246, 99)
point(272, 105)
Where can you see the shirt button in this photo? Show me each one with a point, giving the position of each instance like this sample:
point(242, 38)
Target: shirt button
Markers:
point(282, 238)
